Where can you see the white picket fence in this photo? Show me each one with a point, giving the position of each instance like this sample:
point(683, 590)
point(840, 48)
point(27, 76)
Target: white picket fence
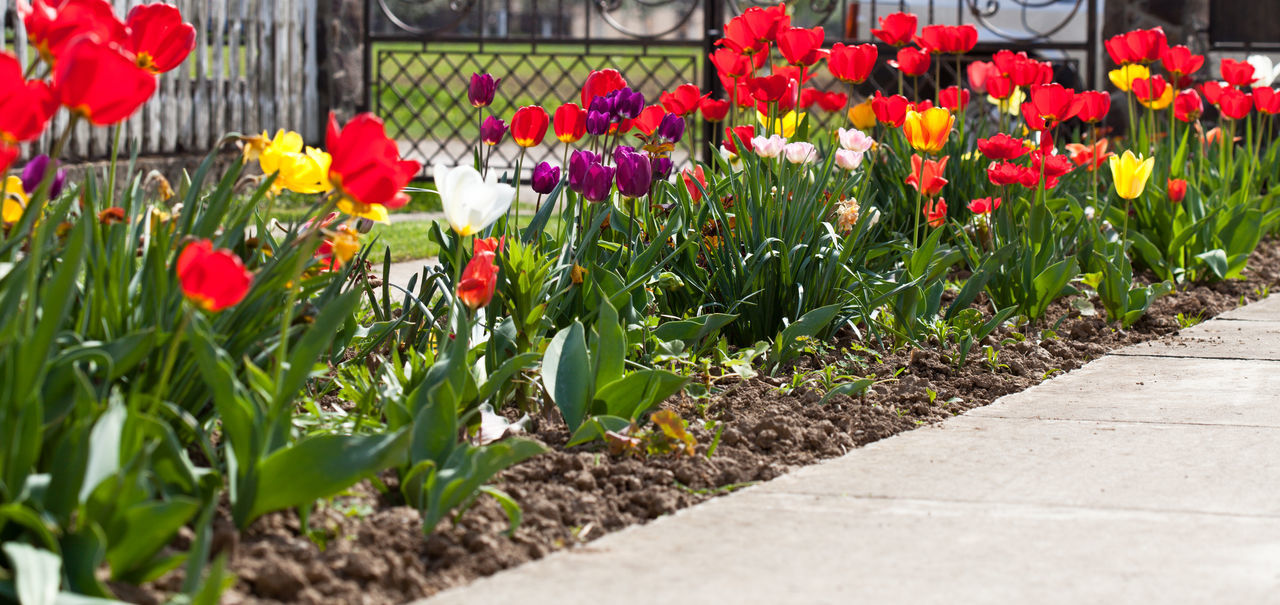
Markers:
point(254, 68)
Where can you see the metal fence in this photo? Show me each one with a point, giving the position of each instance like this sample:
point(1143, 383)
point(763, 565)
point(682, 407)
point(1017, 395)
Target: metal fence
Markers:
point(419, 55)
point(254, 68)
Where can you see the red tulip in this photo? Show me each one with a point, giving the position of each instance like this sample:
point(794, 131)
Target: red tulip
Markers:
point(1029, 72)
point(948, 39)
point(911, 61)
point(953, 98)
point(1187, 106)
point(1092, 105)
point(1213, 91)
point(570, 123)
point(935, 212)
point(1267, 100)
point(480, 277)
point(985, 205)
point(714, 110)
point(1003, 174)
point(600, 83)
point(691, 176)
point(926, 175)
point(1138, 46)
point(801, 46)
point(1235, 104)
point(1092, 157)
point(101, 82)
point(768, 89)
point(897, 29)
point(1177, 190)
point(1000, 87)
point(852, 64)
point(1002, 147)
point(739, 38)
point(529, 125)
point(890, 110)
point(753, 30)
point(1149, 90)
point(649, 119)
point(684, 100)
point(25, 107)
point(366, 167)
point(1237, 73)
point(743, 133)
point(832, 101)
point(979, 72)
point(158, 37)
point(1053, 102)
point(1055, 167)
point(212, 279)
point(731, 64)
point(1180, 61)
point(52, 25)
point(1032, 116)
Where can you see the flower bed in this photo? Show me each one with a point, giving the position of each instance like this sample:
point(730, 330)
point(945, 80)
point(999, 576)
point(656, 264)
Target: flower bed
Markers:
point(194, 393)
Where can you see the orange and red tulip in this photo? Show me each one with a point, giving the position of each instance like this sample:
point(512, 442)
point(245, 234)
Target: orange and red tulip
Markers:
point(926, 175)
point(570, 123)
point(529, 125)
point(480, 277)
point(935, 212)
point(1177, 190)
point(928, 131)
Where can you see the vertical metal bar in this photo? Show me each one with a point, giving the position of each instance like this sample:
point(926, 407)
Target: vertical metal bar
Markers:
point(1092, 54)
point(712, 20)
point(370, 79)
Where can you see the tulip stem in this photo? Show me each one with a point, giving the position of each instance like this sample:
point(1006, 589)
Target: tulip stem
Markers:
point(111, 171)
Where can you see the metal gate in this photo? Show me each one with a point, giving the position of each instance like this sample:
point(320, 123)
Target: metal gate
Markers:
point(420, 54)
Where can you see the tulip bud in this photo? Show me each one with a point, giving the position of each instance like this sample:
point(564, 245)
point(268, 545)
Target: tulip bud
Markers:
point(671, 128)
point(1177, 190)
point(492, 130)
point(34, 172)
point(482, 89)
point(635, 174)
point(545, 178)
point(597, 183)
point(597, 122)
point(579, 163)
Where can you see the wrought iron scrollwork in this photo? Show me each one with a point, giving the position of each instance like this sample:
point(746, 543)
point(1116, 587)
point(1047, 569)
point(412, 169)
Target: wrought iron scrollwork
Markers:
point(608, 8)
point(991, 8)
point(459, 8)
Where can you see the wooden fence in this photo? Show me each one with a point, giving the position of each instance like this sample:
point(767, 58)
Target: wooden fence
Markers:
point(254, 68)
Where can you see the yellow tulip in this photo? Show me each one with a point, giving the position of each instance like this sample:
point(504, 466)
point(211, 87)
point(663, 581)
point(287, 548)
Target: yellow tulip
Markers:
point(862, 115)
point(1123, 77)
point(1166, 99)
point(15, 200)
point(928, 131)
point(784, 125)
point(1011, 105)
point(297, 170)
point(1130, 173)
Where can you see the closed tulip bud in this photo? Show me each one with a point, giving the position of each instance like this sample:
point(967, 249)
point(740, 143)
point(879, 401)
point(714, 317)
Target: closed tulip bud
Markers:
point(212, 279)
point(579, 163)
point(1177, 190)
point(598, 122)
point(34, 173)
point(662, 167)
point(635, 174)
point(628, 104)
point(529, 125)
point(480, 277)
point(482, 89)
point(570, 123)
point(671, 128)
point(597, 183)
point(545, 178)
point(492, 130)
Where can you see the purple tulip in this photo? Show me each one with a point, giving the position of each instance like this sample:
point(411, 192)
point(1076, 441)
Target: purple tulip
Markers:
point(628, 104)
point(33, 175)
point(635, 174)
point(602, 104)
point(597, 183)
point(671, 128)
point(579, 163)
point(621, 151)
point(492, 130)
point(661, 168)
point(545, 178)
point(598, 122)
point(482, 89)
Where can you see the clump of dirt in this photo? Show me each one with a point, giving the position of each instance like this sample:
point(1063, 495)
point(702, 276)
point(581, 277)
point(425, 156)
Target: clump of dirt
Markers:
point(368, 548)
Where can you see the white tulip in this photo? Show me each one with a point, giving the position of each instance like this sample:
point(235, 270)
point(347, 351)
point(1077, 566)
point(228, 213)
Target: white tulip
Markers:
point(848, 160)
point(1264, 72)
point(770, 147)
point(470, 202)
point(855, 140)
point(801, 153)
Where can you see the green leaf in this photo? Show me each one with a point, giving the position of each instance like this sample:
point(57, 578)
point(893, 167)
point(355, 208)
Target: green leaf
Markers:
point(148, 528)
point(611, 347)
point(637, 393)
point(509, 368)
point(691, 331)
point(563, 374)
point(595, 428)
point(321, 466)
point(857, 387)
point(314, 342)
point(37, 573)
point(104, 449)
point(515, 515)
point(1216, 259)
point(808, 326)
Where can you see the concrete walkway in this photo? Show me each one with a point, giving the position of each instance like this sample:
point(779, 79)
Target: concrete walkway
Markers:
point(1148, 476)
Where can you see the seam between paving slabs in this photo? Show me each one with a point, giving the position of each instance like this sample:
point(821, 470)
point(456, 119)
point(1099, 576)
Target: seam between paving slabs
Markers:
point(1026, 503)
point(1171, 356)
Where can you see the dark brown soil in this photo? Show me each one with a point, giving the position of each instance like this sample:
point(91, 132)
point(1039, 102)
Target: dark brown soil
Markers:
point(377, 553)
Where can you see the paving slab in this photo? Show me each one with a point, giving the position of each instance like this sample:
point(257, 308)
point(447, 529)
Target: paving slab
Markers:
point(1154, 389)
point(1140, 466)
point(781, 548)
point(1256, 339)
point(402, 273)
point(1267, 309)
